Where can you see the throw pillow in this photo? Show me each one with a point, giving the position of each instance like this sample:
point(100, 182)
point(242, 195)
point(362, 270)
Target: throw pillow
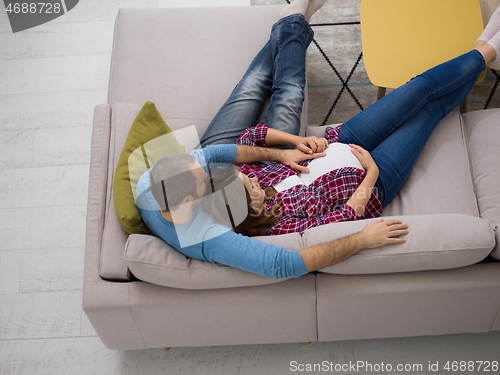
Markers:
point(149, 139)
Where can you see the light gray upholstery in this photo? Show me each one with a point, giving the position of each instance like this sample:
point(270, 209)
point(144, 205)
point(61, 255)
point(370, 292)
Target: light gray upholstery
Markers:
point(150, 62)
point(407, 304)
point(187, 61)
point(483, 134)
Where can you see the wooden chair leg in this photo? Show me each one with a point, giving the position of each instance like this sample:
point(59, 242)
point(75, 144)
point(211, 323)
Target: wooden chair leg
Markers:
point(381, 92)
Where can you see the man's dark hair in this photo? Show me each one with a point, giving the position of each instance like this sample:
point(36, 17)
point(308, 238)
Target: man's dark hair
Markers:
point(172, 180)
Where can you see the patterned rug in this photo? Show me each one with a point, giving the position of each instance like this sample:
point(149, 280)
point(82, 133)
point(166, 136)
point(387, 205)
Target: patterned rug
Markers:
point(337, 82)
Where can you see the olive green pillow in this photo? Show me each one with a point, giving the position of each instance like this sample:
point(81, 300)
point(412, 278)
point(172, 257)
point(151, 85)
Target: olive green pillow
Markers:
point(148, 140)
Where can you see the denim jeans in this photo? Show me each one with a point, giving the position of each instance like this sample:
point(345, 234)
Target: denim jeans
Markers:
point(277, 73)
point(396, 128)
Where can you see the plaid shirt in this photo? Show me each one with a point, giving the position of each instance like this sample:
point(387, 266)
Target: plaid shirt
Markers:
point(321, 202)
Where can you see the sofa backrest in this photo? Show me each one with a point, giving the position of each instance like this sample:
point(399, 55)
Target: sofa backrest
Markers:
point(441, 180)
point(186, 60)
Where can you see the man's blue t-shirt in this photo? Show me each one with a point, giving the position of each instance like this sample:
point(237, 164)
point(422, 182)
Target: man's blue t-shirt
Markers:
point(212, 241)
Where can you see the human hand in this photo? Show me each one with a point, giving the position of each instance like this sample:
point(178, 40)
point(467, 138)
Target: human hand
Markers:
point(312, 144)
point(383, 232)
point(364, 157)
point(294, 157)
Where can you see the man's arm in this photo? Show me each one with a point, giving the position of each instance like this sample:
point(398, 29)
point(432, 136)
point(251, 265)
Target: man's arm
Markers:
point(375, 234)
point(275, 261)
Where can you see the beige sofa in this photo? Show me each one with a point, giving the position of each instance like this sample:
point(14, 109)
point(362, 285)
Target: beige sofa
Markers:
point(140, 293)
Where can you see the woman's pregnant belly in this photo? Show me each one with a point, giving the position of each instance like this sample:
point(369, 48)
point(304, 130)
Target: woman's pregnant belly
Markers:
point(338, 155)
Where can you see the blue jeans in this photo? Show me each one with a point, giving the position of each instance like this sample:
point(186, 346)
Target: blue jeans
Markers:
point(277, 74)
point(395, 129)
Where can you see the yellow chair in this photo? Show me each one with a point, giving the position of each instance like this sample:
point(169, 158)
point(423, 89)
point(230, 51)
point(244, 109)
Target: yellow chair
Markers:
point(403, 38)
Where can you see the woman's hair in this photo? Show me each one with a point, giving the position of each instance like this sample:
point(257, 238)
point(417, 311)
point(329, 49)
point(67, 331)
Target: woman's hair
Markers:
point(172, 180)
point(253, 223)
point(256, 224)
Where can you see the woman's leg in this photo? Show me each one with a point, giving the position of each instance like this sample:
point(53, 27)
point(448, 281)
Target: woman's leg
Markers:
point(490, 34)
point(397, 154)
point(278, 71)
point(372, 126)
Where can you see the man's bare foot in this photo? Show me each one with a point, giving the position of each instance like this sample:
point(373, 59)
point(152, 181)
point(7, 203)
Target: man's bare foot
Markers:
point(298, 6)
point(313, 7)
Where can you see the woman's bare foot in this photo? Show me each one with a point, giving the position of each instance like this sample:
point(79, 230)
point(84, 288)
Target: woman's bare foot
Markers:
point(489, 53)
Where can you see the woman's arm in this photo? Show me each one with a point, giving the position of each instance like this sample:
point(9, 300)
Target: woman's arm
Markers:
point(362, 194)
point(307, 145)
point(251, 154)
point(276, 137)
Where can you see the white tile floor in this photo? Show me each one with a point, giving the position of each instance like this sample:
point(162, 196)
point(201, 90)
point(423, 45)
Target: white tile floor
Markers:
point(51, 78)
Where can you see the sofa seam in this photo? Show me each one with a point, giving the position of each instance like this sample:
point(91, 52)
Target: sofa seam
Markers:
point(466, 144)
point(104, 168)
point(113, 52)
point(132, 315)
point(493, 320)
point(111, 160)
point(448, 250)
point(316, 294)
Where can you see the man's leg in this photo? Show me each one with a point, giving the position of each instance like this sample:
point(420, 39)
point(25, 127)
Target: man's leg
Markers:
point(278, 71)
point(245, 104)
point(289, 73)
point(305, 7)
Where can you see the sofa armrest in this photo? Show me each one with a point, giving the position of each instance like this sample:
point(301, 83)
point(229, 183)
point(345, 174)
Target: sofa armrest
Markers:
point(117, 330)
point(98, 179)
point(483, 134)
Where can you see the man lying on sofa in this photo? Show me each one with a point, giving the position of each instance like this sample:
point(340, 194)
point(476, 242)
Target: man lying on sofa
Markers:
point(177, 201)
point(178, 216)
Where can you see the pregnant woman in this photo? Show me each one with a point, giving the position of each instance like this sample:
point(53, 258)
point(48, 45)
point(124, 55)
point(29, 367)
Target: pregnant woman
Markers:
point(385, 141)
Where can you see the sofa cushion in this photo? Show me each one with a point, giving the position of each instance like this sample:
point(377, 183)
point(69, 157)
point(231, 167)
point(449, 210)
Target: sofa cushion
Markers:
point(191, 70)
point(435, 242)
point(440, 182)
point(483, 133)
point(151, 259)
point(147, 140)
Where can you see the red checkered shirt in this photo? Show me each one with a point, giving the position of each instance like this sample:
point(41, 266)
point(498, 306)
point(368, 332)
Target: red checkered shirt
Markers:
point(307, 206)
